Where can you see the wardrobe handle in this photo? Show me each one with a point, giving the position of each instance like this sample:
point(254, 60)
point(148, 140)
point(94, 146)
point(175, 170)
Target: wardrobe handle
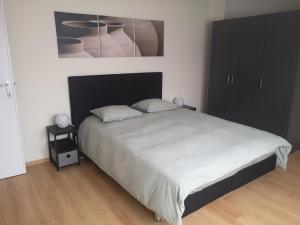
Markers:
point(232, 80)
point(228, 80)
point(260, 82)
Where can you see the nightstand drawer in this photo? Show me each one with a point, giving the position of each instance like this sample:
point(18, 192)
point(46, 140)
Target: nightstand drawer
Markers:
point(65, 159)
point(68, 158)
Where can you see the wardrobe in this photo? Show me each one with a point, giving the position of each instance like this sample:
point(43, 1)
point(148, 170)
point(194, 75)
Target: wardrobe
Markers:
point(255, 73)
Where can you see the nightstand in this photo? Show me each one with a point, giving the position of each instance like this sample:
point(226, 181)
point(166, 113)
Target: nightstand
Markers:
point(189, 107)
point(63, 146)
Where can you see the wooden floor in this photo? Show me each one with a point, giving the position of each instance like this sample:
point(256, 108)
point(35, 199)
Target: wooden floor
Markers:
point(83, 195)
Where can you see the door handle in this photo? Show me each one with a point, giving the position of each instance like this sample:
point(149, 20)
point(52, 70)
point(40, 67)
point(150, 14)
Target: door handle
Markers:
point(4, 85)
point(261, 82)
point(228, 80)
point(7, 86)
point(232, 80)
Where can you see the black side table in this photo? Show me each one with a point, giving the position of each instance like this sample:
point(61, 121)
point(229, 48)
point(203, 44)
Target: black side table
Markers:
point(63, 146)
point(189, 107)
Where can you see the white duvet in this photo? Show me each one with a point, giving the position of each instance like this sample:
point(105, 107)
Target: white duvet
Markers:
point(160, 158)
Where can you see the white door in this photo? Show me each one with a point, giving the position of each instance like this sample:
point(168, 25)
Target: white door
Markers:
point(11, 154)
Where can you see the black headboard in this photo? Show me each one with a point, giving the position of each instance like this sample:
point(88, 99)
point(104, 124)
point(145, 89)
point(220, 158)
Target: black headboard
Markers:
point(89, 92)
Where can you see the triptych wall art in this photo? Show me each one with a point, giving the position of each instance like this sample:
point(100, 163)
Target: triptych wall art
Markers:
point(88, 36)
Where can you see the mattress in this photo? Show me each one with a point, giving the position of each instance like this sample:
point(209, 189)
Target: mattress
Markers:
point(160, 158)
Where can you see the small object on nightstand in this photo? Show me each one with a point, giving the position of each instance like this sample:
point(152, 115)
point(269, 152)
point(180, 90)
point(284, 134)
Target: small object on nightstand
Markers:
point(63, 146)
point(178, 101)
point(189, 107)
point(62, 120)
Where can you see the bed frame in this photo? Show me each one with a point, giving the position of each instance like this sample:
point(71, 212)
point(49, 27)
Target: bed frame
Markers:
point(89, 92)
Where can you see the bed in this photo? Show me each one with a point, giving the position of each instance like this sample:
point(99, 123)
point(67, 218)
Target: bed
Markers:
point(173, 162)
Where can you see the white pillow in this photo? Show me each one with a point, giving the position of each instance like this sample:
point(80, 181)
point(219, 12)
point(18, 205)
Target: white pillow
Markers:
point(115, 113)
point(153, 105)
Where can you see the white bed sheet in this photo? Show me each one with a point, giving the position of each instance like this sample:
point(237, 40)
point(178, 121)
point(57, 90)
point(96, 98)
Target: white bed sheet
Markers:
point(160, 158)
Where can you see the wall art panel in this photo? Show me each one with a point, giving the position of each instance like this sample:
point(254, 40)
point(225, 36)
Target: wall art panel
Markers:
point(84, 36)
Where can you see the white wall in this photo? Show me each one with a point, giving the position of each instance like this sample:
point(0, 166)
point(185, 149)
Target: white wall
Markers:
point(241, 8)
point(41, 77)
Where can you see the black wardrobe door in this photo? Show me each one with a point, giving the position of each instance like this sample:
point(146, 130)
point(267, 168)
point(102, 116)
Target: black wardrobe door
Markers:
point(219, 96)
point(272, 98)
point(249, 47)
point(277, 72)
point(222, 66)
point(236, 49)
point(225, 35)
point(244, 87)
point(282, 32)
point(239, 35)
